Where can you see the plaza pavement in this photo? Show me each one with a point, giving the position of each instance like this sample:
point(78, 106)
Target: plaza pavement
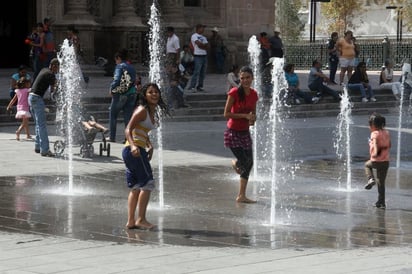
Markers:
point(37, 235)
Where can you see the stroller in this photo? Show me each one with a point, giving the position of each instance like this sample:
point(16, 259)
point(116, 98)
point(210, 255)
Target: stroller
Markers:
point(84, 138)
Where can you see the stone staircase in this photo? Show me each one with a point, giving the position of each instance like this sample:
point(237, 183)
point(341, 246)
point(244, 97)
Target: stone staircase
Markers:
point(209, 107)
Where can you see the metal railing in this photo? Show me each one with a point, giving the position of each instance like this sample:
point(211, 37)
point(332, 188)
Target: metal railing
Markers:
point(373, 52)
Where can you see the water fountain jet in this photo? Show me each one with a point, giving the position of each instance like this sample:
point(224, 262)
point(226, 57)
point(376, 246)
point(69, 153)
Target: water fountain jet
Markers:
point(69, 95)
point(342, 142)
point(155, 50)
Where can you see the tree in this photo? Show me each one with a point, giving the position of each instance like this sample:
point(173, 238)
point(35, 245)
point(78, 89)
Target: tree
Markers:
point(341, 13)
point(287, 20)
point(407, 13)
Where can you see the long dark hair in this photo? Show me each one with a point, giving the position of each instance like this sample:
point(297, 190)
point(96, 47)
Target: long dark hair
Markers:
point(241, 90)
point(162, 109)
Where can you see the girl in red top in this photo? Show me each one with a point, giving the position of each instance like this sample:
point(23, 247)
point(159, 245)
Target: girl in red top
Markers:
point(240, 110)
point(379, 146)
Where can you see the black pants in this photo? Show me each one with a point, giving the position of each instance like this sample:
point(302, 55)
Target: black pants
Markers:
point(244, 160)
point(381, 172)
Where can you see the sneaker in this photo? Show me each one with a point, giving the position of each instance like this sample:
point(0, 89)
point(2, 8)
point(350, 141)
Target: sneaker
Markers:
point(110, 140)
point(373, 99)
point(370, 184)
point(48, 154)
point(193, 90)
point(315, 100)
point(37, 150)
point(364, 100)
point(200, 89)
point(297, 101)
point(380, 205)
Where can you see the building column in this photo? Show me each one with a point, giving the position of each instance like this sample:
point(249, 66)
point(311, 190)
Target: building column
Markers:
point(173, 13)
point(126, 16)
point(128, 28)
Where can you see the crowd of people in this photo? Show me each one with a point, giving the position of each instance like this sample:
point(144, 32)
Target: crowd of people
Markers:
point(186, 66)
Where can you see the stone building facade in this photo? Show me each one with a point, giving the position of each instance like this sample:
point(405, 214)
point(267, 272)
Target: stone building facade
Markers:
point(107, 25)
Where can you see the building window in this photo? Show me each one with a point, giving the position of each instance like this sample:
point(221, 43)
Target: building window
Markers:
point(192, 3)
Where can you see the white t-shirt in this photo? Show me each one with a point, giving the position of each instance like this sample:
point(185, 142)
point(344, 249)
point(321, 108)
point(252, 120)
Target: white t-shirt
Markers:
point(198, 37)
point(172, 44)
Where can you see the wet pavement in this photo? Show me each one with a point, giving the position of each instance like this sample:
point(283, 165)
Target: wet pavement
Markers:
point(310, 212)
point(312, 223)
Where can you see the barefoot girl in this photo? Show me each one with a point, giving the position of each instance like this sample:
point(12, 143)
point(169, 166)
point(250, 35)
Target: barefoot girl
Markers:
point(137, 154)
point(23, 109)
point(240, 110)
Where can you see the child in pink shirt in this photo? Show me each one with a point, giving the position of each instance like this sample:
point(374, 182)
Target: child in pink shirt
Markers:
point(379, 147)
point(23, 110)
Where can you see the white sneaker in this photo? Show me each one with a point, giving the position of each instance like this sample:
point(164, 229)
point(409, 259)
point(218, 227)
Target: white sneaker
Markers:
point(297, 101)
point(365, 100)
point(315, 100)
point(193, 90)
point(373, 99)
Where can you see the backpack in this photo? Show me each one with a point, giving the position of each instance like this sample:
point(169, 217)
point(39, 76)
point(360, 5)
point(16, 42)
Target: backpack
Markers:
point(125, 83)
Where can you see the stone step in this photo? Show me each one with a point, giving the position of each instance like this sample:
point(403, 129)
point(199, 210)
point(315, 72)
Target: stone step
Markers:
point(210, 107)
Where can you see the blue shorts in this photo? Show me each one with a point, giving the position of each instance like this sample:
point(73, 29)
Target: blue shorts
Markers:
point(139, 173)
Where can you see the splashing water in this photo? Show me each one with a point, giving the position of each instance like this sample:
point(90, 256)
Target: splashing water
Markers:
point(343, 136)
point(155, 47)
point(69, 95)
point(401, 100)
point(254, 53)
point(276, 127)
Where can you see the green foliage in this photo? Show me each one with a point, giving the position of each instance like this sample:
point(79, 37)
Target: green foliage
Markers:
point(407, 14)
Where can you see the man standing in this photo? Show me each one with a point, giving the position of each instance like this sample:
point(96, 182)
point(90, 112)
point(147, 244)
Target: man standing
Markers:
point(276, 44)
point(200, 46)
point(48, 46)
point(333, 56)
point(218, 49)
point(125, 101)
point(45, 79)
point(172, 48)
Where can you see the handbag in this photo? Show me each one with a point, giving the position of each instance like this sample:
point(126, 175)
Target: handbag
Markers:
point(125, 83)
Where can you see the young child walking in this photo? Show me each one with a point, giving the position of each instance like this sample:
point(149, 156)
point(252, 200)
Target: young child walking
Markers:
point(379, 148)
point(23, 109)
point(138, 152)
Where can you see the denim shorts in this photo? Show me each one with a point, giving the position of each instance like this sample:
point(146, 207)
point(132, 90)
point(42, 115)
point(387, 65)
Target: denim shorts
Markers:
point(139, 173)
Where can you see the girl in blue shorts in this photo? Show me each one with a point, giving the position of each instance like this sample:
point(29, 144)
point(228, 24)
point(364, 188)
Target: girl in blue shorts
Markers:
point(137, 154)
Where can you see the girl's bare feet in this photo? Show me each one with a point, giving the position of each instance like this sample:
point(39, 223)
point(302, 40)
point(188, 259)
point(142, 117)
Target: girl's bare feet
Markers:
point(144, 225)
point(131, 225)
point(245, 200)
point(17, 135)
point(29, 137)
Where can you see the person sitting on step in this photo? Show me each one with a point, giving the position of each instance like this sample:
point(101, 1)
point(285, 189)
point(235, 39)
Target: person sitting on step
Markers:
point(316, 81)
point(359, 81)
point(295, 92)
